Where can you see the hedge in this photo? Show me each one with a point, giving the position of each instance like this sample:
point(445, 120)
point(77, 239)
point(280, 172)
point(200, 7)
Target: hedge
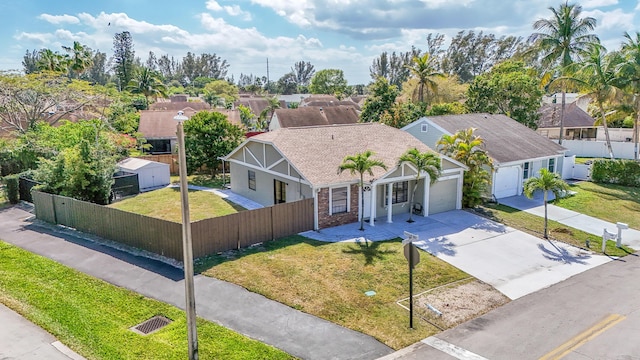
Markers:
point(621, 172)
point(12, 188)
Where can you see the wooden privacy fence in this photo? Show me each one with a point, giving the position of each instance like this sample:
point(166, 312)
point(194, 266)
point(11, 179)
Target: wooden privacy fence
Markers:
point(209, 236)
point(171, 159)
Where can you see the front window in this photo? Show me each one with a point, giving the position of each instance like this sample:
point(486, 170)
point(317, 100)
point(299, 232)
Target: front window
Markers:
point(552, 165)
point(339, 200)
point(525, 171)
point(252, 180)
point(399, 193)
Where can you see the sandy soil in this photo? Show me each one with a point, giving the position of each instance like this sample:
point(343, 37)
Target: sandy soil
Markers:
point(458, 302)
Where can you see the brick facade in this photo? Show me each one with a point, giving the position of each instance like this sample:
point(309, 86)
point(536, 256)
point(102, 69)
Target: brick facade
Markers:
point(325, 220)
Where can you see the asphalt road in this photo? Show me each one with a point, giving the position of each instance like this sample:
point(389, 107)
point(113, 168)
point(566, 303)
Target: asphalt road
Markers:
point(593, 315)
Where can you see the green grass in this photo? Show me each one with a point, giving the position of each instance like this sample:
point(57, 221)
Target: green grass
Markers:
point(582, 160)
point(329, 280)
point(534, 225)
point(93, 317)
point(204, 180)
point(613, 203)
point(166, 204)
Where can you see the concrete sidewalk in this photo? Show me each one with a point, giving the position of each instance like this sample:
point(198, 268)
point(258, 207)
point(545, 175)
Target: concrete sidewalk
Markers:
point(22, 340)
point(299, 334)
point(512, 261)
point(589, 224)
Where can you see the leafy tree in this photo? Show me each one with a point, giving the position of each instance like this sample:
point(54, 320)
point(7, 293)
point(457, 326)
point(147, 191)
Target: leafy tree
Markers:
point(449, 89)
point(221, 89)
point(30, 61)
point(303, 73)
point(546, 181)
point(97, 72)
point(509, 88)
point(328, 81)
point(467, 148)
point(246, 116)
point(287, 84)
point(561, 40)
point(401, 114)
point(392, 67)
point(81, 58)
point(360, 164)
point(152, 61)
point(381, 97)
point(427, 162)
point(123, 58)
point(446, 109)
point(48, 97)
point(423, 68)
point(148, 83)
point(630, 71)
point(209, 135)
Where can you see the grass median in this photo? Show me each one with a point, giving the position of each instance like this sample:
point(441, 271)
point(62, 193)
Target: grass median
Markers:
point(93, 317)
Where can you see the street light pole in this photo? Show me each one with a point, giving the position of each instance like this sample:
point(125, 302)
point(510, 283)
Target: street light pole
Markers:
point(187, 246)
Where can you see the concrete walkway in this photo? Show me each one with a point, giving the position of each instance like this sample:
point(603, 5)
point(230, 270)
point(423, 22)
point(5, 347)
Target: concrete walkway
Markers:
point(591, 225)
point(299, 334)
point(228, 195)
point(513, 262)
point(22, 340)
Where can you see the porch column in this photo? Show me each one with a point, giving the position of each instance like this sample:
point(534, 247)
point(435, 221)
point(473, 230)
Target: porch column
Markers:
point(389, 203)
point(460, 188)
point(425, 195)
point(372, 213)
point(314, 191)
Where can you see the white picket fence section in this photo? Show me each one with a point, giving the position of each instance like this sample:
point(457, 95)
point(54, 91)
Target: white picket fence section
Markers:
point(571, 170)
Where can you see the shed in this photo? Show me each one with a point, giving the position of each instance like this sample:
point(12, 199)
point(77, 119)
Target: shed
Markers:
point(151, 174)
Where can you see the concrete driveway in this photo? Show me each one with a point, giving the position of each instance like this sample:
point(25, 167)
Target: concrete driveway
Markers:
point(512, 261)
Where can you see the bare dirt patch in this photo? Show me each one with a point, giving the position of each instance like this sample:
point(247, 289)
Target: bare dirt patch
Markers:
point(453, 304)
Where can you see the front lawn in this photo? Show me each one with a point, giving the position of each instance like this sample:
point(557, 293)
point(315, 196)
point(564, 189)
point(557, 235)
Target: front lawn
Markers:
point(329, 280)
point(534, 225)
point(613, 203)
point(93, 317)
point(165, 204)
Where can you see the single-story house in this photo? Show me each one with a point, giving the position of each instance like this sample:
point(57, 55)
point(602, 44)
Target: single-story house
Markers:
point(517, 151)
point(578, 124)
point(329, 101)
point(290, 164)
point(313, 116)
point(151, 174)
point(159, 128)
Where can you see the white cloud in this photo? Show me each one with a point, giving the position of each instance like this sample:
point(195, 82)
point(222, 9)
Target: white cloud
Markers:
point(233, 10)
point(59, 19)
point(615, 19)
point(590, 4)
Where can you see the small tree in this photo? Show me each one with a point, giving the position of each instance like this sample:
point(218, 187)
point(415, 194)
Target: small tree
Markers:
point(209, 135)
point(361, 164)
point(547, 181)
point(426, 162)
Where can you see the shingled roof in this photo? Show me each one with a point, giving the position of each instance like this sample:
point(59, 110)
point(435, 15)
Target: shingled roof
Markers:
point(506, 140)
point(574, 116)
point(316, 116)
point(316, 152)
point(179, 105)
point(159, 124)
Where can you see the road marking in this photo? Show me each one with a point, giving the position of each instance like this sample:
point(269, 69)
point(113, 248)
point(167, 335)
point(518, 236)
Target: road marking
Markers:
point(450, 349)
point(584, 337)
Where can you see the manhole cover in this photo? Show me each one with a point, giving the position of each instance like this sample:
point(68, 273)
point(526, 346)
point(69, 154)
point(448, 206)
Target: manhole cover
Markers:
point(151, 325)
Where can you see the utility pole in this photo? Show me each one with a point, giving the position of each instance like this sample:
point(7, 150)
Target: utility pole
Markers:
point(267, 74)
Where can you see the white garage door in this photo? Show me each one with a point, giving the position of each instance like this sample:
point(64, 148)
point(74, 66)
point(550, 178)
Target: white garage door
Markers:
point(506, 182)
point(443, 196)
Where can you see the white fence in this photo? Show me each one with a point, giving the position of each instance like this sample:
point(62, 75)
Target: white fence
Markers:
point(621, 150)
point(571, 170)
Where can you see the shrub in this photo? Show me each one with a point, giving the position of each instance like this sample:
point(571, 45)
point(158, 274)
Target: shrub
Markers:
point(621, 172)
point(12, 188)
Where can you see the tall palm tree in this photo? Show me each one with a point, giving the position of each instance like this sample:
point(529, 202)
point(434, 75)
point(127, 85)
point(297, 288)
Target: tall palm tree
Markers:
point(272, 104)
point(426, 162)
point(597, 75)
point(630, 70)
point(546, 181)
point(423, 68)
point(81, 57)
point(52, 61)
point(562, 39)
point(147, 82)
point(361, 163)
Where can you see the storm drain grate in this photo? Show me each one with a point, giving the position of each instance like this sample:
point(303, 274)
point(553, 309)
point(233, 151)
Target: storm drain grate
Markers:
point(151, 325)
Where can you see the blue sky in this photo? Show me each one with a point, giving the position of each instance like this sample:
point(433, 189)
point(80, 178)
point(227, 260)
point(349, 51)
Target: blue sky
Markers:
point(342, 34)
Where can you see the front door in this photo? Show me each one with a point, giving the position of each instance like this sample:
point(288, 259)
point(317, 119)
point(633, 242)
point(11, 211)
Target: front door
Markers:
point(367, 201)
point(279, 192)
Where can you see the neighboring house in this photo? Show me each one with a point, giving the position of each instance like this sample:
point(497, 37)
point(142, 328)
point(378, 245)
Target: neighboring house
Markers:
point(293, 98)
point(179, 103)
point(517, 151)
point(151, 174)
point(289, 164)
point(578, 124)
point(257, 104)
point(328, 101)
point(569, 98)
point(159, 128)
point(313, 116)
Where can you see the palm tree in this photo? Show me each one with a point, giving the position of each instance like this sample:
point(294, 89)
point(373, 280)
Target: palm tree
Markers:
point(147, 82)
point(81, 57)
point(52, 61)
point(630, 70)
point(562, 39)
point(361, 163)
point(546, 181)
point(427, 162)
point(597, 75)
point(423, 68)
point(272, 104)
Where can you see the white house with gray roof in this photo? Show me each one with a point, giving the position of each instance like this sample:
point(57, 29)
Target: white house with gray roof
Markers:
point(290, 164)
point(517, 151)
